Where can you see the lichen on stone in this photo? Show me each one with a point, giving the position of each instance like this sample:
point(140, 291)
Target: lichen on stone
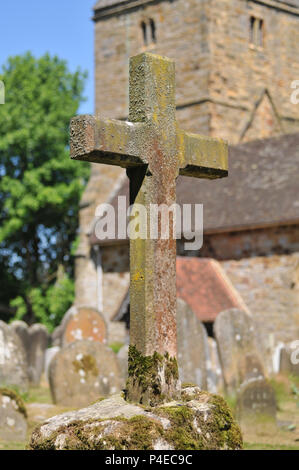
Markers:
point(205, 423)
point(88, 364)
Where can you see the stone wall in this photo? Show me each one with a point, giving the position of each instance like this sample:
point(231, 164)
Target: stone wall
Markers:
point(253, 82)
point(226, 86)
point(181, 33)
point(103, 181)
point(265, 241)
point(270, 288)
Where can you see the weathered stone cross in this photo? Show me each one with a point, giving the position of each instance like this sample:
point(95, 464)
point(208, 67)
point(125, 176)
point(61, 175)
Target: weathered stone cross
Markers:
point(154, 151)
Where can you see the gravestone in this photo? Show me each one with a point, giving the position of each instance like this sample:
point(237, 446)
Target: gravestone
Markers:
point(214, 371)
point(256, 403)
point(239, 355)
point(13, 419)
point(35, 341)
point(154, 150)
point(39, 340)
point(21, 329)
point(80, 323)
point(122, 357)
point(83, 372)
point(289, 358)
point(84, 323)
point(192, 346)
point(13, 361)
point(49, 355)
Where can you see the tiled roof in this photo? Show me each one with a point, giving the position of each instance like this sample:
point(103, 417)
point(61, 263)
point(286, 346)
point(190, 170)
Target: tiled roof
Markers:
point(202, 283)
point(262, 188)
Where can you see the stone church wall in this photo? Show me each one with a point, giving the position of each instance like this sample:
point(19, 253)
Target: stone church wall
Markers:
point(227, 86)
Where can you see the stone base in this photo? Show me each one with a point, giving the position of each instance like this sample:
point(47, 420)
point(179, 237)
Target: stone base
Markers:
point(198, 421)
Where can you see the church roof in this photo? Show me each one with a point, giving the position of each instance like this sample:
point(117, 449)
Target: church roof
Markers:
point(261, 189)
point(203, 284)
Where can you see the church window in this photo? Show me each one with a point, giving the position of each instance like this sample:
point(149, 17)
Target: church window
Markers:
point(149, 35)
point(153, 30)
point(144, 32)
point(256, 31)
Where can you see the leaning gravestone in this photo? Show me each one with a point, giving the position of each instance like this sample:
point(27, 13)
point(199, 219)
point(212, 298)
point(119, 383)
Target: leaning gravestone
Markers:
point(256, 403)
point(13, 361)
point(192, 346)
point(239, 355)
point(35, 341)
point(13, 417)
point(83, 372)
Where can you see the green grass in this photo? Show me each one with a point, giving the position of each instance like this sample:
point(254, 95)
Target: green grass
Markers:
point(38, 395)
point(256, 446)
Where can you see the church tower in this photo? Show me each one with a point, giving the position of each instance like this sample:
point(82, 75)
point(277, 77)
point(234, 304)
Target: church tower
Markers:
point(235, 61)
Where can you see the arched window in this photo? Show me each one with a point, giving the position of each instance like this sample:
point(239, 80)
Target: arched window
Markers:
point(256, 32)
point(144, 32)
point(153, 30)
point(148, 28)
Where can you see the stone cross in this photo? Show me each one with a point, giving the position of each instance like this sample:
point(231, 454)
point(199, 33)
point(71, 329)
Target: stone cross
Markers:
point(154, 151)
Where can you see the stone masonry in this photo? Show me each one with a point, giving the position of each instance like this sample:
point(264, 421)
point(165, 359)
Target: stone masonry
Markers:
point(228, 84)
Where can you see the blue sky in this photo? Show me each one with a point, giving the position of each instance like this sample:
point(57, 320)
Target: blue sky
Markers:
point(61, 27)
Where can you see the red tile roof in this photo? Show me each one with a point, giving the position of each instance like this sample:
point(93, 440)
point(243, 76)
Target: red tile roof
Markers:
point(203, 284)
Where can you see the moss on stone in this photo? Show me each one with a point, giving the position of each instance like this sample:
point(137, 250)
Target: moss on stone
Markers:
point(204, 424)
point(192, 430)
point(151, 379)
point(13, 395)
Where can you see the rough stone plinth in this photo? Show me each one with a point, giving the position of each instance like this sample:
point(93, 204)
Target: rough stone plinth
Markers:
point(13, 416)
point(199, 421)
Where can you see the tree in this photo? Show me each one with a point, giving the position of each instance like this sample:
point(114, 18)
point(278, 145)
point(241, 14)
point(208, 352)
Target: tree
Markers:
point(40, 186)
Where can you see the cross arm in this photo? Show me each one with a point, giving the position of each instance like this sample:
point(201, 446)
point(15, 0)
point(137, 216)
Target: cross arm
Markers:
point(112, 142)
point(202, 157)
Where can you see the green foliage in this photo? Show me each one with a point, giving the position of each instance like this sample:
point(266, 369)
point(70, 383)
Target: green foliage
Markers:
point(116, 346)
point(49, 306)
point(40, 187)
